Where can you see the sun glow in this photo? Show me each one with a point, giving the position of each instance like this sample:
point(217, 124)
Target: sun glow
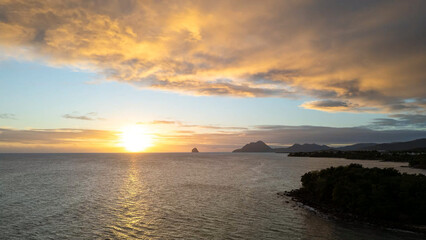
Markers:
point(135, 139)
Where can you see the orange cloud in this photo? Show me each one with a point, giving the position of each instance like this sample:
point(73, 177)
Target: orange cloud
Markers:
point(332, 106)
point(58, 140)
point(370, 54)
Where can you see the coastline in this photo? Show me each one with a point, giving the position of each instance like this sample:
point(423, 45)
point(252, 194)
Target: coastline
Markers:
point(331, 212)
point(414, 161)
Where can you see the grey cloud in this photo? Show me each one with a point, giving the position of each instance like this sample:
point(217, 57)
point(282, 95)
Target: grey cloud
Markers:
point(330, 104)
point(401, 120)
point(214, 127)
point(162, 122)
point(352, 91)
point(221, 87)
point(87, 117)
point(275, 76)
point(7, 116)
point(54, 136)
point(186, 125)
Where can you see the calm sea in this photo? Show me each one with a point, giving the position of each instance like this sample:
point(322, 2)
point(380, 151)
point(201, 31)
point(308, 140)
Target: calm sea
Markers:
point(166, 196)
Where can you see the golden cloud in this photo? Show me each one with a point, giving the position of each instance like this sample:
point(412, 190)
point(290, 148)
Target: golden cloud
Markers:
point(58, 140)
point(366, 54)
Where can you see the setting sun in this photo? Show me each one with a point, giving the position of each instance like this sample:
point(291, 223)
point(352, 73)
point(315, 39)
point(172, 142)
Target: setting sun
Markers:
point(135, 139)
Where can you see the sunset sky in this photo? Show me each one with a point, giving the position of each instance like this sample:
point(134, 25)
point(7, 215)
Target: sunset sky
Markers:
point(209, 74)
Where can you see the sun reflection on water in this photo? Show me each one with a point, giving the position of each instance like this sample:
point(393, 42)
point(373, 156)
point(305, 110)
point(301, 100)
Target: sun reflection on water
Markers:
point(131, 214)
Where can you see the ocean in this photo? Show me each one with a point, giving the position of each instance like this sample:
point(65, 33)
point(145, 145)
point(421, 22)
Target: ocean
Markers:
point(168, 196)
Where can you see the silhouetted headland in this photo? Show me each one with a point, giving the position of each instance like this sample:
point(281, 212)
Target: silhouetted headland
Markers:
point(258, 146)
point(194, 150)
point(379, 196)
point(415, 145)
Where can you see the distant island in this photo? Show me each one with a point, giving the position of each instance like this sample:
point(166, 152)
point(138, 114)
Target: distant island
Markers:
point(413, 152)
point(418, 145)
point(379, 196)
point(194, 150)
point(258, 146)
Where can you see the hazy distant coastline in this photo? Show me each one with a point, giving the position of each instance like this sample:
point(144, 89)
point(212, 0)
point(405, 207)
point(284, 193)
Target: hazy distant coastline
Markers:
point(418, 145)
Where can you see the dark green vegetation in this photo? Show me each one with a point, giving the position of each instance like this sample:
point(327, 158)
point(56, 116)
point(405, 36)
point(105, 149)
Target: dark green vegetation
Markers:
point(369, 155)
point(416, 160)
point(399, 146)
point(376, 195)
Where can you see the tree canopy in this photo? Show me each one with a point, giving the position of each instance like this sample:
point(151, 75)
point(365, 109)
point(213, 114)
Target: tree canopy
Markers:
point(373, 193)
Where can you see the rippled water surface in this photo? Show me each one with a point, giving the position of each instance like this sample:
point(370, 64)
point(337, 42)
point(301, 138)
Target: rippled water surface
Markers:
point(166, 196)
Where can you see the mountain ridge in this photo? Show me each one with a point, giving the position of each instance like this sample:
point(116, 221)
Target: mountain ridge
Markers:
point(306, 147)
point(260, 146)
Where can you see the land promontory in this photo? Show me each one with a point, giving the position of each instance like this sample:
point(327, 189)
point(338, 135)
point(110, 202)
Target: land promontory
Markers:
point(379, 196)
point(258, 146)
